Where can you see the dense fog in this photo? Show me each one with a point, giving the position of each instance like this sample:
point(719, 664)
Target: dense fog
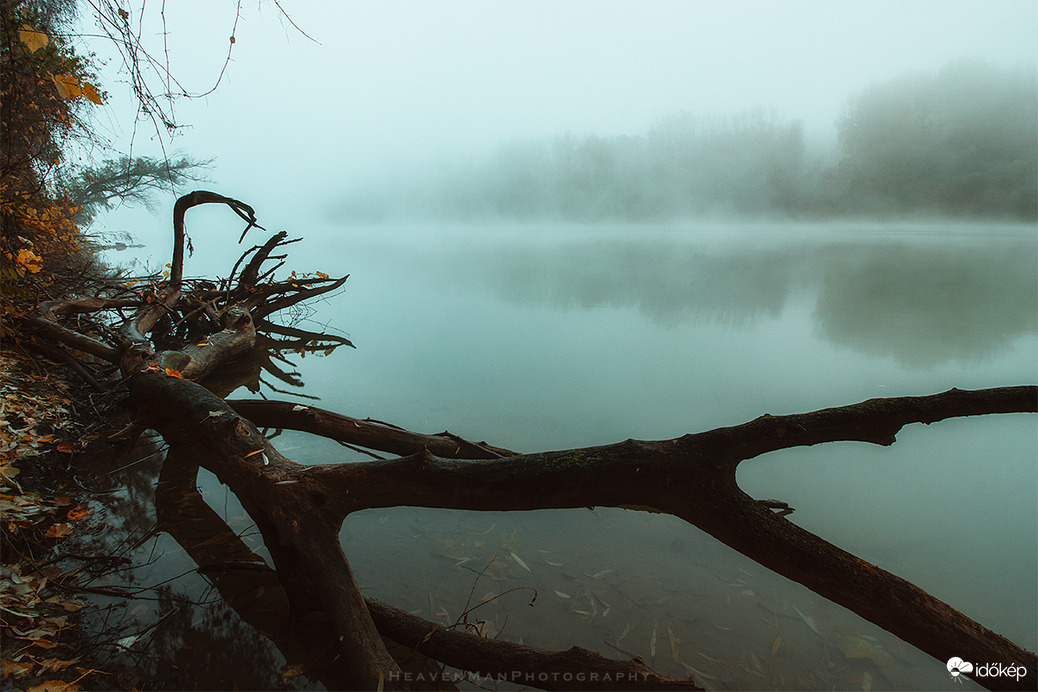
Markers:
point(961, 141)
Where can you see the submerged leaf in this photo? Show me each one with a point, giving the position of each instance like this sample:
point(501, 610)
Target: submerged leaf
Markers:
point(519, 561)
point(855, 646)
point(808, 620)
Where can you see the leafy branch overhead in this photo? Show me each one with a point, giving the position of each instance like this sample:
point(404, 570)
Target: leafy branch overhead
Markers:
point(68, 86)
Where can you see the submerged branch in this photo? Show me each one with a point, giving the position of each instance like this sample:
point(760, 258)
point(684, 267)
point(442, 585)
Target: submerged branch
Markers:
point(573, 669)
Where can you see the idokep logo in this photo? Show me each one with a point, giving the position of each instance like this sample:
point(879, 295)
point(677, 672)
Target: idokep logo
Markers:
point(957, 667)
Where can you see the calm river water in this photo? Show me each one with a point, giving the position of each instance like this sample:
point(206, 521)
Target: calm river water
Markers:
point(537, 338)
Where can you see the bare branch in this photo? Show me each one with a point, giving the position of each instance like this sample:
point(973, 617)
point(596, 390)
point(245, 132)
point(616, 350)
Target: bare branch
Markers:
point(194, 199)
point(365, 433)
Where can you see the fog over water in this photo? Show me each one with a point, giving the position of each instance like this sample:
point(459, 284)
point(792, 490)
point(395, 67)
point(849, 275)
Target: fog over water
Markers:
point(401, 92)
point(571, 223)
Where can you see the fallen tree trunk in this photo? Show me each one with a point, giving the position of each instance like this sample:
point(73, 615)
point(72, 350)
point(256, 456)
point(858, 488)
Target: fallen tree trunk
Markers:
point(693, 477)
point(299, 509)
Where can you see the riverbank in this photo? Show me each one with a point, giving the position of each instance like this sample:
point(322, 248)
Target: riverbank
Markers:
point(46, 417)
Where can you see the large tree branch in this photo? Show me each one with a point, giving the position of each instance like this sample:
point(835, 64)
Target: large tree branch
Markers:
point(693, 477)
point(73, 339)
point(52, 308)
point(875, 420)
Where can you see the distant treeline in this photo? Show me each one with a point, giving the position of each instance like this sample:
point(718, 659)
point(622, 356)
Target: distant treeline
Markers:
point(961, 142)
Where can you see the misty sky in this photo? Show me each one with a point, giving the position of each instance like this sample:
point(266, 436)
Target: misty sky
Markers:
point(394, 86)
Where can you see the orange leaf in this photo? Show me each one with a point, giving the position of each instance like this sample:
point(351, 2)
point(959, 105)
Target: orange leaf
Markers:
point(68, 86)
point(174, 373)
point(91, 94)
point(67, 448)
point(79, 512)
point(58, 531)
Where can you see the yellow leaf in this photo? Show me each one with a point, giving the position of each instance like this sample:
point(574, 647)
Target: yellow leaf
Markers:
point(68, 87)
point(29, 260)
point(91, 94)
point(32, 38)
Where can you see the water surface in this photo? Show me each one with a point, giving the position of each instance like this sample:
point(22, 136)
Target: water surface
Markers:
point(538, 338)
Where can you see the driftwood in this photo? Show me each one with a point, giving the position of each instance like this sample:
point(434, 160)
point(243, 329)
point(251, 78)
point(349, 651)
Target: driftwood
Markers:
point(174, 354)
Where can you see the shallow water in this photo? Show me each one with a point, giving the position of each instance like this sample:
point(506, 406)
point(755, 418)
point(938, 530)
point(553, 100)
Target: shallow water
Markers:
point(550, 338)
